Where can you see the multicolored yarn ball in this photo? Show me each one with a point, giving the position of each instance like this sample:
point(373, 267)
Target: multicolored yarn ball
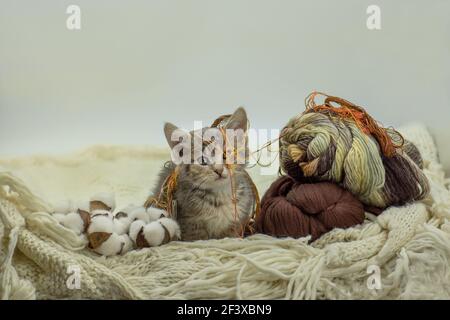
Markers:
point(293, 209)
point(345, 145)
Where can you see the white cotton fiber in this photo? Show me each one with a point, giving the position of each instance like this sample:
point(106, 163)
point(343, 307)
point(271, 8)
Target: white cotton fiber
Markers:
point(128, 244)
point(74, 222)
point(135, 227)
point(121, 225)
point(154, 233)
point(171, 226)
point(155, 213)
point(111, 247)
point(139, 213)
point(101, 224)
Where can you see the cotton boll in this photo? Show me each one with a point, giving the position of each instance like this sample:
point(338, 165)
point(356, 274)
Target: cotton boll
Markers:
point(154, 233)
point(135, 227)
point(121, 216)
point(101, 223)
point(155, 213)
point(112, 246)
point(139, 213)
point(104, 201)
point(172, 227)
point(74, 222)
point(121, 225)
point(124, 214)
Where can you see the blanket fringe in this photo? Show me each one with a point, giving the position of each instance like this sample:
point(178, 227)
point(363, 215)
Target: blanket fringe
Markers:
point(409, 245)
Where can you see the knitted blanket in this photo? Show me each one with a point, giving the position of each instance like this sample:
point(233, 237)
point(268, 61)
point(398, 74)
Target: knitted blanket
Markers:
point(403, 253)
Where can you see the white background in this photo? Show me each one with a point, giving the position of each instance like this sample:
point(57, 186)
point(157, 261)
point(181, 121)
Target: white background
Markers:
point(136, 64)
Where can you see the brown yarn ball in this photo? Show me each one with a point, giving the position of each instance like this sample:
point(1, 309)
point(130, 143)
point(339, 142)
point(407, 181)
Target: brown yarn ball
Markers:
point(293, 209)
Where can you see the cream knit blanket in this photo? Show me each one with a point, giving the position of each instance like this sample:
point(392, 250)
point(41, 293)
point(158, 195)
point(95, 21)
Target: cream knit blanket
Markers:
point(406, 248)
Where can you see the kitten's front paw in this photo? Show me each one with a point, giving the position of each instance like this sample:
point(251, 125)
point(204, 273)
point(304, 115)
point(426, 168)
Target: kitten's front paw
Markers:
point(155, 233)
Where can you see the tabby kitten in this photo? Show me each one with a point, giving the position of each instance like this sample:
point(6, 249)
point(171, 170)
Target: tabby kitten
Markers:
point(204, 206)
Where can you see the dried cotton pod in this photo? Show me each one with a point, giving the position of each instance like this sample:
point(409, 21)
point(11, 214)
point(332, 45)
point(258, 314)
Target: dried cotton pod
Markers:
point(101, 223)
point(172, 227)
point(76, 221)
point(135, 228)
point(155, 234)
point(113, 245)
point(102, 201)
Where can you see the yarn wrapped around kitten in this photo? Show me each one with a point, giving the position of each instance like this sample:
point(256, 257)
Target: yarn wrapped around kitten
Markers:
point(293, 209)
point(345, 145)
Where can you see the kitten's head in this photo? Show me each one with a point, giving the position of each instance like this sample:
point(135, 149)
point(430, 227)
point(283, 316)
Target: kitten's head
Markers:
point(202, 153)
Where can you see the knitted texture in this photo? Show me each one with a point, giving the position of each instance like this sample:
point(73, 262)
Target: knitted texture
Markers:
point(410, 244)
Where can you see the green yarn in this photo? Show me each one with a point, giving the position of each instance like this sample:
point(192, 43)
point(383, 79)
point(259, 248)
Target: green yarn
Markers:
point(326, 147)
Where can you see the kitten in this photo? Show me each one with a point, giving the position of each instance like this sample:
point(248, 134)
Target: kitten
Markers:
point(204, 206)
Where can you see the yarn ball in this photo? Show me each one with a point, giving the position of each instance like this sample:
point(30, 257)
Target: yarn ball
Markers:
point(293, 209)
point(326, 146)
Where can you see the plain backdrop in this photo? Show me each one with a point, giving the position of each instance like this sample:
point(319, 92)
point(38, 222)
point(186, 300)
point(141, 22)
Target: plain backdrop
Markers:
point(135, 64)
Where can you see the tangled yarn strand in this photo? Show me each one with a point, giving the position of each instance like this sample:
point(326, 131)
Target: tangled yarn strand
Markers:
point(360, 117)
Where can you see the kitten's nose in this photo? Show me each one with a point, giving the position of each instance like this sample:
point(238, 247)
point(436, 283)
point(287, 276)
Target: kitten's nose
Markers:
point(218, 170)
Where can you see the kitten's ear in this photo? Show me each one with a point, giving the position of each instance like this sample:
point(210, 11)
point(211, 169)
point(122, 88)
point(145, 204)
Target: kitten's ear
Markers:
point(238, 120)
point(169, 129)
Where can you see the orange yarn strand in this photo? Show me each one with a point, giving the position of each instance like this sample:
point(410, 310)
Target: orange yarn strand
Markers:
point(165, 196)
point(348, 110)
